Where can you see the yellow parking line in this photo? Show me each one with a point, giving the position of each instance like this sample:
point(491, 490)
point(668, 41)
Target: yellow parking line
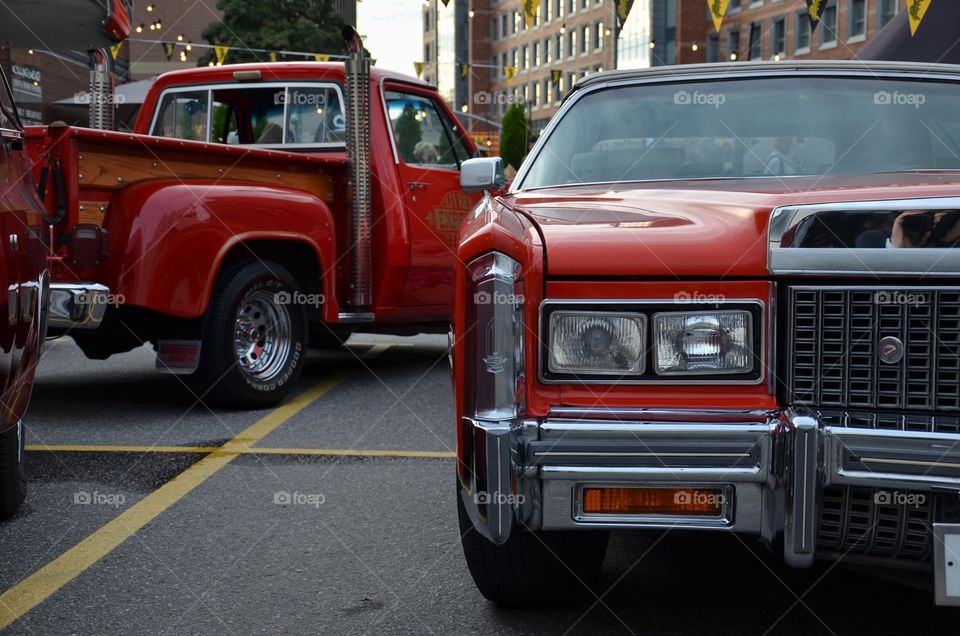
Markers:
point(37, 587)
point(258, 450)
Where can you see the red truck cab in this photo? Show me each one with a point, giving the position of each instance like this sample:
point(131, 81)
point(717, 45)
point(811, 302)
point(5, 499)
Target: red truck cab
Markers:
point(247, 218)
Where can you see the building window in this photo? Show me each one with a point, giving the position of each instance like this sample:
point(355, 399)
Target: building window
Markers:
point(733, 45)
point(503, 25)
point(494, 69)
point(558, 90)
point(585, 40)
point(493, 29)
point(524, 58)
point(779, 37)
point(536, 94)
point(713, 48)
point(516, 22)
point(545, 10)
point(571, 7)
point(756, 41)
point(546, 52)
point(885, 12)
point(426, 21)
point(857, 29)
point(734, 5)
point(803, 33)
point(503, 64)
point(828, 26)
point(558, 8)
point(513, 58)
point(584, 5)
point(559, 48)
point(598, 35)
point(546, 92)
point(571, 43)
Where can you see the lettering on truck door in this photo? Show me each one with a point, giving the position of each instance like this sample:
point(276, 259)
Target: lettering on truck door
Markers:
point(430, 147)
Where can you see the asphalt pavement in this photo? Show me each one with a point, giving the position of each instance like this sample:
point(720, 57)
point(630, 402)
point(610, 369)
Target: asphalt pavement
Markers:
point(148, 512)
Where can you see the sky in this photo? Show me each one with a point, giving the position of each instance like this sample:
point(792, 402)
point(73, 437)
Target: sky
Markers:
point(394, 32)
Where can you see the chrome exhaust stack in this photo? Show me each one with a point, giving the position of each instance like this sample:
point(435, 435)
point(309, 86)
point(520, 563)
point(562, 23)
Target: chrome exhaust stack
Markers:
point(357, 67)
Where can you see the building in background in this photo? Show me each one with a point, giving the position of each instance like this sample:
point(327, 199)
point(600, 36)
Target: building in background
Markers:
point(780, 29)
point(181, 23)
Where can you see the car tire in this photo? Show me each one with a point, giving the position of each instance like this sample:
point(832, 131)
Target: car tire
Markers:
point(254, 341)
point(533, 569)
point(13, 481)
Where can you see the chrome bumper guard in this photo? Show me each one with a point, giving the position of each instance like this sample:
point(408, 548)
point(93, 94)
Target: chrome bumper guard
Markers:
point(776, 464)
point(77, 305)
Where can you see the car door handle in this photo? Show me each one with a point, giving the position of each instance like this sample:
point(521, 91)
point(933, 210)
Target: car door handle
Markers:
point(417, 185)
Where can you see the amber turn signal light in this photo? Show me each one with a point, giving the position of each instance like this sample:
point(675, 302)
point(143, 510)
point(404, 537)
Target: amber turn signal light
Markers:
point(687, 502)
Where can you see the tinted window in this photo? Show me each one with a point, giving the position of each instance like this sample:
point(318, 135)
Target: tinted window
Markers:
point(752, 128)
point(425, 134)
point(183, 116)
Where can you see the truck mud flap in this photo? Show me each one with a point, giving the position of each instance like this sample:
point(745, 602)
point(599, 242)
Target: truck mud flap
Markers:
point(179, 357)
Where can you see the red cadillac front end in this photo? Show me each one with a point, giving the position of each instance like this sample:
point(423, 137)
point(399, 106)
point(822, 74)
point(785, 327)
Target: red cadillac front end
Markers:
point(717, 298)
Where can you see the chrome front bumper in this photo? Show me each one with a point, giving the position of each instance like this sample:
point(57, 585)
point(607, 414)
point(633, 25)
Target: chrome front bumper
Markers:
point(775, 465)
point(77, 305)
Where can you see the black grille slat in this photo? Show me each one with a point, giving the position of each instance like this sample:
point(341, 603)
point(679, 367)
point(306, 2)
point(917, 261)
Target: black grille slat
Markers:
point(855, 520)
point(834, 351)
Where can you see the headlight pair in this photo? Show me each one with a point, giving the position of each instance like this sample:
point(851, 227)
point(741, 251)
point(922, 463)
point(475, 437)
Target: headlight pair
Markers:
point(616, 344)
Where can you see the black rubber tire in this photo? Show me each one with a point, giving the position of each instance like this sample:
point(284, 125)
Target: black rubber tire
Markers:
point(534, 570)
point(13, 481)
point(219, 381)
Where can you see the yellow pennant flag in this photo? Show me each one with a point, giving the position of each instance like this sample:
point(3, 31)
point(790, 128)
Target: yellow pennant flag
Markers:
point(273, 56)
point(464, 70)
point(221, 53)
point(510, 72)
point(115, 50)
point(530, 11)
point(418, 67)
point(321, 57)
point(554, 77)
point(915, 11)
point(718, 9)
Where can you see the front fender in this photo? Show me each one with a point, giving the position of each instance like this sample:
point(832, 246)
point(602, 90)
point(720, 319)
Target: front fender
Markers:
point(168, 240)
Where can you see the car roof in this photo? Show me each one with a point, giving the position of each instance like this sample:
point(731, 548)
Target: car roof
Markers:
point(271, 71)
point(684, 72)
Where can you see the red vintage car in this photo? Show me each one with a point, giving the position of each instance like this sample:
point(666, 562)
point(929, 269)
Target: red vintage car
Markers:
point(26, 279)
point(716, 298)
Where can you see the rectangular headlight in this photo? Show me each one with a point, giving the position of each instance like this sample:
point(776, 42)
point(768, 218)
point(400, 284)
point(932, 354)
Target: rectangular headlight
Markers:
point(703, 342)
point(597, 342)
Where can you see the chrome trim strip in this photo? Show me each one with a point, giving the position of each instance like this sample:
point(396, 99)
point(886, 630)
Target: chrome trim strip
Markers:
point(858, 261)
point(630, 454)
point(702, 415)
point(671, 473)
point(665, 380)
point(907, 462)
point(77, 305)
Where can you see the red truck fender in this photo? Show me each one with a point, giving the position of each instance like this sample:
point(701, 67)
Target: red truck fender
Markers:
point(169, 240)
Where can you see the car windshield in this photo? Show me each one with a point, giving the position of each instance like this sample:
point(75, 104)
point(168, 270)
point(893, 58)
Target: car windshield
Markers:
point(771, 128)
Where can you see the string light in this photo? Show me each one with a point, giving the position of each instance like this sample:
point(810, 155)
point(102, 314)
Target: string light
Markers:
point(733, 56)
point(189, 45)
point(653, 44)
point(694, 47)
point(180, 37)
point(149, 7)
point(471, 13)
point(776, 58)
point(140, 28)
point(563, 28)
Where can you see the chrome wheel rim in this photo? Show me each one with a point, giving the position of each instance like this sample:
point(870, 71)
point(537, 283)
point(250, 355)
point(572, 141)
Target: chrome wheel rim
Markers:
point(261, 335)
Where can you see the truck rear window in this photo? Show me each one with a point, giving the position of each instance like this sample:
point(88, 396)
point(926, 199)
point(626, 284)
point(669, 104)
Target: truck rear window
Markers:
point(306, 115)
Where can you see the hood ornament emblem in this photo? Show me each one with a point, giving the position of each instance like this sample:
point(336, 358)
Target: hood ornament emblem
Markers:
point(891, 350)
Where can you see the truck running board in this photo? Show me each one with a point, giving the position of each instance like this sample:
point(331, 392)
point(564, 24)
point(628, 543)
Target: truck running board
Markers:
point(355, 317)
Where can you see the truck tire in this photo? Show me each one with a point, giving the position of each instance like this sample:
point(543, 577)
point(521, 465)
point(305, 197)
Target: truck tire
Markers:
point(13, 482)
point(534, 570)
point(255, 338)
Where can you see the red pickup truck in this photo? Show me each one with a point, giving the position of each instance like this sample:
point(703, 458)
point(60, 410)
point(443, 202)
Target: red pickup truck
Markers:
point(26, 279)
point(256, 210)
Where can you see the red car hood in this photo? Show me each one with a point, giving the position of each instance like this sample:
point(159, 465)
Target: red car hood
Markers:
point(707, 228)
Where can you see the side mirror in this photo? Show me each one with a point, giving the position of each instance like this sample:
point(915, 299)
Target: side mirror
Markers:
point(482, 175)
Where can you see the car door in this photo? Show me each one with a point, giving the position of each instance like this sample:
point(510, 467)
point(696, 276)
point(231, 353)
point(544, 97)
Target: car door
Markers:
point(430, 146)
point(24, 269)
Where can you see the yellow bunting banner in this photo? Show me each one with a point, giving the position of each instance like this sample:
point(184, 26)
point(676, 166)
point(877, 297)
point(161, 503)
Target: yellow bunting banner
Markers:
point(115, 50)
point(915, 12)
point(718, 9)
point(321, 57)
point(530, 11)
point(221, 53)
point(510, 72)
point(418, 67)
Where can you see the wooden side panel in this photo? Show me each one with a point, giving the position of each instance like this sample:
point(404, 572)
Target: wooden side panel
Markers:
point(111, 169)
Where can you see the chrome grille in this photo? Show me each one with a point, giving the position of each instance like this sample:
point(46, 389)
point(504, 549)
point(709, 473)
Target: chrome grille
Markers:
point(889, 421)
point(834, 348)
point(860, 520)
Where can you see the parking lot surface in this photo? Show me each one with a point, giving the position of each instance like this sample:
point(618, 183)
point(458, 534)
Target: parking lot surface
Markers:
point(335, 514)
